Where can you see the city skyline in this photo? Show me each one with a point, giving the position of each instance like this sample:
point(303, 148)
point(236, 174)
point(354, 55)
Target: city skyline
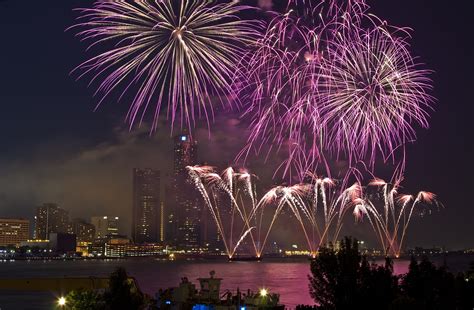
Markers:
point(304, 154)
point(60, 151)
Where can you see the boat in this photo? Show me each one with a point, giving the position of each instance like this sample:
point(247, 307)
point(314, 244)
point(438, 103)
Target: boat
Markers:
point(209, 297)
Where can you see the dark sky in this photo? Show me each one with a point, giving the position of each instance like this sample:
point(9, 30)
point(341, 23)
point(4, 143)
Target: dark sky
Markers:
point(55, 148)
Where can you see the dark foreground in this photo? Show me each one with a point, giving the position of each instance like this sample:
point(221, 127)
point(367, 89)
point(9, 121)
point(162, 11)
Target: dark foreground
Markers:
point(287, 277)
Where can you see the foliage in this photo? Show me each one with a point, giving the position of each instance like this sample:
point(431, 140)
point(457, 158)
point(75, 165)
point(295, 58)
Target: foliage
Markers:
point(121, 294)
point(85, 300)
point(342, 278)
point(434, 287)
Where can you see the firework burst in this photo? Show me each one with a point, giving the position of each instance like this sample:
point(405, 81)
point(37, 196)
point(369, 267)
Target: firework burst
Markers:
point(373, 92)
point(166, 54)
point(322, 84)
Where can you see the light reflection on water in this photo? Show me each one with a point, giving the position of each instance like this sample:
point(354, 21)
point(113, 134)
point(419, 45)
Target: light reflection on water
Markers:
point(288, 277)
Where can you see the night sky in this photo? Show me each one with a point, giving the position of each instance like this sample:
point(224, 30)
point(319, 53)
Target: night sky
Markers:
point(55, 148)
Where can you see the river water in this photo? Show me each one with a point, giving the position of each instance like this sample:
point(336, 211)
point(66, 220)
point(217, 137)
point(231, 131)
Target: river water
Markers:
point(287, 277)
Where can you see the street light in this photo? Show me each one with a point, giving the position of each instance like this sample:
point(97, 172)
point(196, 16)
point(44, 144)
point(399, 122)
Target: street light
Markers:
point(263, 292)
point(62, 301)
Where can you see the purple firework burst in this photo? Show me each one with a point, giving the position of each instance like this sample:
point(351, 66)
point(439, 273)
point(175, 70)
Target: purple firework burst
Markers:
point(373, 92)
point(332, 79)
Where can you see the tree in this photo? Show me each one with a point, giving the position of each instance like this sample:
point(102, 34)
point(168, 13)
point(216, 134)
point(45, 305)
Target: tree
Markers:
point(343, 279)
point(378, 287)
point(431, 287)
point(122, 294)
point(85, 300)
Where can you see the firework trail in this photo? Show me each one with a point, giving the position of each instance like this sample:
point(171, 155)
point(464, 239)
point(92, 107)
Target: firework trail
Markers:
point(319, 207)
point(235, 209)
point(167, 55)
point(391, 214)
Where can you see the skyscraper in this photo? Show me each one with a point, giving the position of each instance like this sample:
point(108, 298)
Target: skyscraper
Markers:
point(186, 213)
point(146, 224)
point(85, 232)
point(50, 219)
point(105, 226)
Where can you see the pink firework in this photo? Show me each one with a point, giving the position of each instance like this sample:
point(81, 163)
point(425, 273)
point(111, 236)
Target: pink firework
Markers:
point(279, 80)
point(320, 85)
point(177, 56)
point(374, 93)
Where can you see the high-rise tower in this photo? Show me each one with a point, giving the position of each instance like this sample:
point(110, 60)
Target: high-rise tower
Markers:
point(50, 219)
point(146, 206)
point(186, 213)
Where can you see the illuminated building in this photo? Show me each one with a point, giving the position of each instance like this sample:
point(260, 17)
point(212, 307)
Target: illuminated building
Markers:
point(105, 226)
point(83, 247)
point(14, 231)
point(85, 232)
point(147, 207)
point(50, 219)
point(186, 214)
point(35, 243)
point(162, 221)
point(122, 247)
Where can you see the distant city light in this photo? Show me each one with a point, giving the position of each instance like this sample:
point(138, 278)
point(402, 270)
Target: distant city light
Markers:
point(62, 301)
point(183, 138)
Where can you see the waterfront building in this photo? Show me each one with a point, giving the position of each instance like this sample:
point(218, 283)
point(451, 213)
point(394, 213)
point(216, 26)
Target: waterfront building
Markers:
point(148, 211)
point(14, 231)
point(105, 226)
point(50, 218)
point(85, 232)
point(83, 247)
point(421, 251)
point(186, 213)
point(121, 246)
point(35, 243)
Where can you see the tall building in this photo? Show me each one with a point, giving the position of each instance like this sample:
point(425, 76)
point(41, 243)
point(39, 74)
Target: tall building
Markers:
point(14, 231)
point(186, 214)
point(105, 226)
point(85, 232)
point(147, 207)
point(50, 219)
